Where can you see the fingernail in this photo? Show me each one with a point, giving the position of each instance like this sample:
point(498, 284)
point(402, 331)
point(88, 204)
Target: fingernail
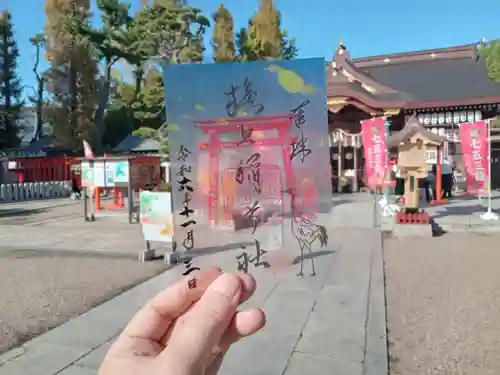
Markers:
point(229, 286)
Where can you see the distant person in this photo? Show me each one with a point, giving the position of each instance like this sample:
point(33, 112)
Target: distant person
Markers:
point(399, 188)
point(187, 328)
point(76, 192)
point(431, 182)
point(447, 177)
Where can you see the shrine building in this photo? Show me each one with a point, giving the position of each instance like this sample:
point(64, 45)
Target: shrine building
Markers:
point(442, 87)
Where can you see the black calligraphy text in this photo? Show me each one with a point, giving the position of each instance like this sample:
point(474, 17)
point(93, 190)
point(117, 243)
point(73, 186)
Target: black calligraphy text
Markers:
point(189, 267)
point(244, 260)
point(183, 153)
point(237, 99)
point(246, 136)
point(188, 241)
point(185, 184)
point(251, 170)
point(251, 214)
point(298, 112)
point(300, 148)
point(188, 223)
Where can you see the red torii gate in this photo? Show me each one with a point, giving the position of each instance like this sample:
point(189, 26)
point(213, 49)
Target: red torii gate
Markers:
point(214, 128)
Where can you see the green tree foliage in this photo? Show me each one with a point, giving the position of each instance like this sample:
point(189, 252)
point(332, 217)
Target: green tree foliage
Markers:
point(175, 35)
point(169, 32)
point(71, 77)
point(165, 3)
point(491, 55)
point(264, 39)
point(170, 3)
point(490, 52)
point(109, 43)
point(223, 35)
point(10, 84)
point(129, 110)
point(166, 31)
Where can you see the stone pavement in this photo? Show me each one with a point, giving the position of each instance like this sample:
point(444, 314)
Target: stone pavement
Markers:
point(331, 323)
point(355, 211)
point(463, 213)
point(58, 224)
point(34, 206)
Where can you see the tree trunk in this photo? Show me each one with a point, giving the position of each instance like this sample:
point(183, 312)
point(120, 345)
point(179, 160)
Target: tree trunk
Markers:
point(39, 108)
point(100, 125)
point(37, 131)
point(73, 103)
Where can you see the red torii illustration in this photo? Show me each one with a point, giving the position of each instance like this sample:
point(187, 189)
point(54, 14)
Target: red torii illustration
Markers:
point(272, 188)
point(214, 129)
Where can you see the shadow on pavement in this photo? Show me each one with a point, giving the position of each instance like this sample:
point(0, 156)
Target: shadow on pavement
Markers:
point(340, 202)
point(14, 212)
point(314, 254)
point(458, 211)
point(48, 253)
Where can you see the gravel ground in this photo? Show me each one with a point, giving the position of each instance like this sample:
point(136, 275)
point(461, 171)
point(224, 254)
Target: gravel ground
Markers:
point(443, 304)
point(40, 290)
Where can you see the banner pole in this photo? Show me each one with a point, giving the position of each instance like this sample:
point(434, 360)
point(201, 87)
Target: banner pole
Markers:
point(489, 165)
point(388, 209)
point(384, 201)
point(386, 177)
point(489, 215)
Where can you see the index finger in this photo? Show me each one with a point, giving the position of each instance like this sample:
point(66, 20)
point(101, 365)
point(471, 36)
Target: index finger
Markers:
point(153, 320)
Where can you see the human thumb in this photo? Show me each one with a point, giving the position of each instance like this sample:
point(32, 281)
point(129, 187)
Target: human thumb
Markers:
point(193, 342)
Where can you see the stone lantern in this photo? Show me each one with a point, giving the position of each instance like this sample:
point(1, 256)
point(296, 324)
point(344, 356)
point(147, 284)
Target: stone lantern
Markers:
point(413, 143)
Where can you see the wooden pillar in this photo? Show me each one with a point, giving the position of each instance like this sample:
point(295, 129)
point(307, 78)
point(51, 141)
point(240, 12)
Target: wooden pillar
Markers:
point(121, 202)
point(355, 186)
point(340, 163)
point(97, 192)
point(115, 196)
point(439, 175)
point(438, 199)
point(213, 176)
point(407, 190)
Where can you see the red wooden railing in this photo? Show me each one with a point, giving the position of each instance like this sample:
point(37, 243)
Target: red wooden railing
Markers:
point(44, 168)
point(59, 168)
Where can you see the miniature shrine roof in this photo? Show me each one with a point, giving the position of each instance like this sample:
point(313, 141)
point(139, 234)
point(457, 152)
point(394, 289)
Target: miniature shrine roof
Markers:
point(411, 128)
point(446, 77)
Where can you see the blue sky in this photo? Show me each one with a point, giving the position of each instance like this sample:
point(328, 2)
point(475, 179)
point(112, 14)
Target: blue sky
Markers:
point(367, 27)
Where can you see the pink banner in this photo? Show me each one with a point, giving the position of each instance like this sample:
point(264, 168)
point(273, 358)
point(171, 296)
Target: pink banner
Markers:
point(474, 139)
point(374, 144)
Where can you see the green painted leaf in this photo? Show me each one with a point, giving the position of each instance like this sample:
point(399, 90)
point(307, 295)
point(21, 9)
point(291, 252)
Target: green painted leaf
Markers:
point(145, 132)
point(173, 127)
point(199, 107)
